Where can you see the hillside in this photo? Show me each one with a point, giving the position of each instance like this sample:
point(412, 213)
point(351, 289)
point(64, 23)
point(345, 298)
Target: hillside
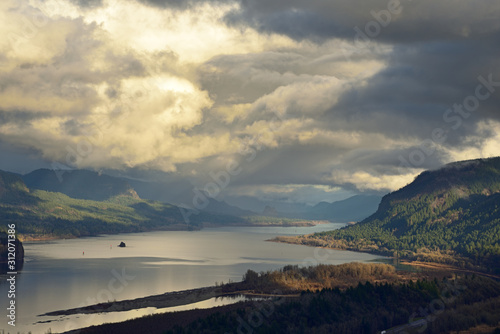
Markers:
point(44, 214)
point(13, 189)
point(450, 215)
point(40, 214)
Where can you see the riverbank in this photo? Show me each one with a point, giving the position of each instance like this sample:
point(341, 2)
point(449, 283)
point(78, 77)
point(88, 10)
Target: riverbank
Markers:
point(171, 299)
point(48, 237)
point(287, 223)
point(431, 260)
point(176, 227)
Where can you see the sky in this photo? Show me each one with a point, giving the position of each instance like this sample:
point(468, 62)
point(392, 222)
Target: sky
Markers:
point(297, 101)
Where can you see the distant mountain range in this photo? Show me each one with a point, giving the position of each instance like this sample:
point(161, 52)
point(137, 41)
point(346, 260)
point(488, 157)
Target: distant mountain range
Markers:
point(83, 184)
point(78, 203)
point(352, 209)
point(449, 215)
point(48, 203)
point(225, 208)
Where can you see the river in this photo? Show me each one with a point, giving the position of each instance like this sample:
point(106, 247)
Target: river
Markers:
point(62, 274)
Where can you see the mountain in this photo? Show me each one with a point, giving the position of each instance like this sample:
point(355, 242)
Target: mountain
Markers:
point(222, 207)
point(41, 214)
point(45, 214)
point(176, 192)
point(81, 184)
point(449, 215)
point(256, 204)
point(13, 189)
point(270, 211)
point(354, 208)
point(181, 193)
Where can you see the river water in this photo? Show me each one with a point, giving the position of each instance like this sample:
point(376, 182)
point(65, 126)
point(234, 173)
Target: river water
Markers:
point(64, 274)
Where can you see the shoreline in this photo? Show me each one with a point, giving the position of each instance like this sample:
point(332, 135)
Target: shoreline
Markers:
point(446, 267)
point(300, 223)
point(414, 263)
point(166, 300)
point(177, 227)
point(293, 240)
point(31, 238)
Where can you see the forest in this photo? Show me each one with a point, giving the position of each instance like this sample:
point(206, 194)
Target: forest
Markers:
point(450, 216)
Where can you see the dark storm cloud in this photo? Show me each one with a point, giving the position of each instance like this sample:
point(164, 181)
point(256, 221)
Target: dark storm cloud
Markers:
point(407, 21)
point(287, 166)
point(411, 96)
point(20, 160)
point(437, 52)
point(21, 117)
point(387, 161)
point(291, 18)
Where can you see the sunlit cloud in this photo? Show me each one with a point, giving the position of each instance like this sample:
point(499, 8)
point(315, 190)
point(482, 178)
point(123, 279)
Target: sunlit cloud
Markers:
point(182, 87)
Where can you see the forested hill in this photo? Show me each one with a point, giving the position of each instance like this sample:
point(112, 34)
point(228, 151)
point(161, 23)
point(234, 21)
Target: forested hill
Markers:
point(41, 214)
point(12, 188)
point(44, 214)
point(448, 215)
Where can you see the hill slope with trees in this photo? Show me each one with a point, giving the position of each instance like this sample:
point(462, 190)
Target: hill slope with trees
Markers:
point(41, 214)
point(450, 215)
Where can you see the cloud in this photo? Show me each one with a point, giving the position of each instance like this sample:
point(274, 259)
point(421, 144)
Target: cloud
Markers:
point(87, 102)
point(406, 22)
point(483, 143)
point(362, 180)
point(184, 87)
point(290, 193)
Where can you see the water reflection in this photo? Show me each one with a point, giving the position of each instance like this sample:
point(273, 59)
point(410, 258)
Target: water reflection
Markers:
point(57, 275)
point(86, 320)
